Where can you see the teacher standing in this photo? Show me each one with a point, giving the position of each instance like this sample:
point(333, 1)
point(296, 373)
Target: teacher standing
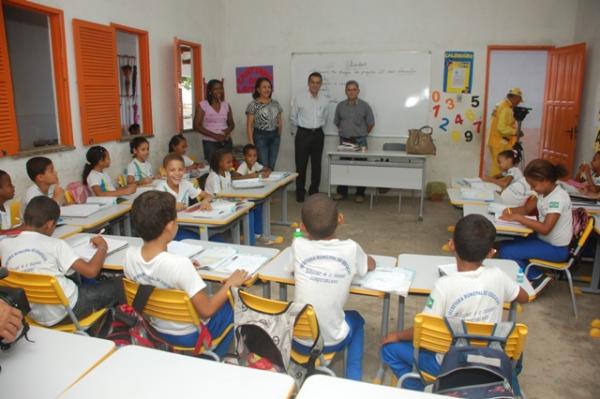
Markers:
point(214, 120)
point(263, 123)
point(309, 115)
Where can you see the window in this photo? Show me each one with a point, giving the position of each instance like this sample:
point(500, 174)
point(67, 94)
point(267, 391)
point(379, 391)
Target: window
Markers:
point(188, 84)
point(34, 92)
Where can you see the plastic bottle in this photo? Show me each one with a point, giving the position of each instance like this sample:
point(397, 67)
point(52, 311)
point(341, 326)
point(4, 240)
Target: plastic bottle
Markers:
point(298, 233)
point(520, 276)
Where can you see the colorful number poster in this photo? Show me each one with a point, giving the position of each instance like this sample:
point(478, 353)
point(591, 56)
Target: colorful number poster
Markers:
point(458, 71)
point(246, 76)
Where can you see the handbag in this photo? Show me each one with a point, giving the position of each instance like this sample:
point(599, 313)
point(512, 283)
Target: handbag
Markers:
point(420, 141)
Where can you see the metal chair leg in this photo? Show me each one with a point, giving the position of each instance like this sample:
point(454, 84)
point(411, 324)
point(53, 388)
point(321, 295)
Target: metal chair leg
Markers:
point(572, 291)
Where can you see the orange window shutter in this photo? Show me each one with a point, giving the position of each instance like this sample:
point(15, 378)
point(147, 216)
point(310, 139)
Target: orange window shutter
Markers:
point(145, 83)
point(9, 137)
point(177, 79)
point(97, 81)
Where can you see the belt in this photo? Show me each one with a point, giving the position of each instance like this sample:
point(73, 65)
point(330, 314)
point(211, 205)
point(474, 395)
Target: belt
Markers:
point(318, 129)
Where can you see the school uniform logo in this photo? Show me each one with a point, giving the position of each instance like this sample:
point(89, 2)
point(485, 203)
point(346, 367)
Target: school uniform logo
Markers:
point(554, 205)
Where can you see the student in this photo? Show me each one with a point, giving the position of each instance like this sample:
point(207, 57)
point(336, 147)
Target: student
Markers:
point(515, 189)
point(35, 251)
point(180, 188)
point(134, 129)
point(100, 184)
point(554, 229)
point(45, 181)
point(590, 173)
point(476, 293)
point(139, 169)
point(250, 168)
point(178, 145)
point(154, 218)
point(319, 254)
point(7, 192)
point(219, 178)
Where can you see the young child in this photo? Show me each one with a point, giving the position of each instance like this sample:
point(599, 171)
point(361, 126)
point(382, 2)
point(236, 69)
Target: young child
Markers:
point(180, 188)
point(554, 229)
point(476, 293)
point(219, 178)
point(515, 189)
point(178, 145)
point(7, 192)
point(590, 173)
point(45, 181)
point(154, 218)
point(139, 169)
point(322, 254)
point(96, 179)
point(250, 168)
point(35, 251)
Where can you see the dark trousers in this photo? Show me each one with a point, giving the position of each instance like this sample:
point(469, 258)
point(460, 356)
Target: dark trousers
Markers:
point(212, 146)
point(309, 144)
point(95, 296)
point(361, 141)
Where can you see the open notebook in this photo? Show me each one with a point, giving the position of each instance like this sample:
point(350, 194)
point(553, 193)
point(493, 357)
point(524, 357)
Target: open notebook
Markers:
point(79, 210)
point(227, 260)
point(247, 183)
point(500, 222)
point(391, 279)
point(220, 209)
point(184, 249)
point(276, 176)
point(85, 250)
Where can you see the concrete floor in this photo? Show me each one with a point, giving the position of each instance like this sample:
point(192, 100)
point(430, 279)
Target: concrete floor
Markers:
point(561, 360)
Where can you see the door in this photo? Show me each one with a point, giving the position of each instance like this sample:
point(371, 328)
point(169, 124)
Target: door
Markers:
point(562, 101)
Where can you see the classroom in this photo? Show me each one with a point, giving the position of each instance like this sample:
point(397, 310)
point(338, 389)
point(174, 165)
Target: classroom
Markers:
point(382, 162)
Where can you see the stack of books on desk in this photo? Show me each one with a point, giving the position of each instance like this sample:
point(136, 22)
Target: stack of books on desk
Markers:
point(350, 147)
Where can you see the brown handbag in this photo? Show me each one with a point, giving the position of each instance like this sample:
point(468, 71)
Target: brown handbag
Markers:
point(420, 141)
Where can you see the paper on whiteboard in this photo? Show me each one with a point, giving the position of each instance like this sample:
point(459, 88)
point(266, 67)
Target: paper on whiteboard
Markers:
point(395, 280)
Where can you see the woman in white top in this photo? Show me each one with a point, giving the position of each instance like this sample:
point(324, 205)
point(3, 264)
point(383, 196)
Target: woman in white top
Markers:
point(100, 183)
point(214, 120)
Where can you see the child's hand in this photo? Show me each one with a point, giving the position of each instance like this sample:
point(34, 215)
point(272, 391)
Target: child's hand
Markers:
point(98, 242)
point(146, 180)
point(180, 206)
point(237, 278)
point(265, 172)
point(509, 216)
point(390, 338)
point(205, 205)
point(196, 264)
point(130, 188)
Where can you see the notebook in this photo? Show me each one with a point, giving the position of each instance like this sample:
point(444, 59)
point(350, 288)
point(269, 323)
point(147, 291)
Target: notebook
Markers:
point(227, 260)
point(477, 194)
point(101, 200)
point(86, 250)
point(247, 183)
point(501, 222)
point(276, 176)
point(184, 249)
point(391, 279)
point(79, 210)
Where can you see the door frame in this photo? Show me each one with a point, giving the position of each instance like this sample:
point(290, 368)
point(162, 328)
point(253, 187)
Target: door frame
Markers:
point(490, 48)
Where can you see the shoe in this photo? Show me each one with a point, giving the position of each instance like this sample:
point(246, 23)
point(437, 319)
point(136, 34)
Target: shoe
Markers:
point(300, 197)
point(338, 197)
point(540, 283)
point(359, 199)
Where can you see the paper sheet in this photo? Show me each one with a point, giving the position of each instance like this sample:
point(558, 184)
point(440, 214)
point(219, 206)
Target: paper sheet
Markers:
point(184, 249)
point(212, 258)
point(247, 262)
point(477, 194)
point(85, 250)
point(395, 280)
point(247, 183)
point(276, 176)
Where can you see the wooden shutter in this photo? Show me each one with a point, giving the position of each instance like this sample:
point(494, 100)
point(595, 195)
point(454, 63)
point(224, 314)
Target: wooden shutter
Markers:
point(177, 80)
point(9, 137)
point(145, 83)
point(97, 81)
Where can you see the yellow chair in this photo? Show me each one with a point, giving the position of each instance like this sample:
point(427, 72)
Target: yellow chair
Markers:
point(69, 200)
point(306, 327)
point(173, 305)
point(45, 290)
point(432, 334)
point(565, 266)
point(15, 213)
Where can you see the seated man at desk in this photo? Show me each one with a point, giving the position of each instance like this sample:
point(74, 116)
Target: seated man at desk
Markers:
point(354, 120)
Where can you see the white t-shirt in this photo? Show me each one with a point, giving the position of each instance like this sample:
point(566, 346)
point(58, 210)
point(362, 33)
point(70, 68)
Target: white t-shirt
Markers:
point(558, 201)
point(139, 170)
point(186, 192)
point(323, 271)
point(32, 252)
point(32, 192)
point(166, 271)
point(215, 183)
point(6, 216)
point(517, 192)
point(187, 161)
point(244, 170)
point(101, 179)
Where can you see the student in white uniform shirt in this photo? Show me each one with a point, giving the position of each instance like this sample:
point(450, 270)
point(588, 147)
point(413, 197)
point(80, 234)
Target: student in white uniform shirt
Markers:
point(219, 178)
point(153, 216)
point(178, 145)
point(554, 229)
point(100, 183)
point(139, 170)
point(183, 190)
point(475, 293)
point(590, 174)
point(515, 189)
point(250, 168)
point(45, 181)
point(324, 264)
point(7, 193)
point(35, 251)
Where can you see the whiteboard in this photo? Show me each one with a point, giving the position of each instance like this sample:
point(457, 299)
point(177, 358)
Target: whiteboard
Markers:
point(395, 84)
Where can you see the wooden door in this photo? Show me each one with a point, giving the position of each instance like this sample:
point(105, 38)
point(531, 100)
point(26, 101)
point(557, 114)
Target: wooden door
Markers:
point(562, 101)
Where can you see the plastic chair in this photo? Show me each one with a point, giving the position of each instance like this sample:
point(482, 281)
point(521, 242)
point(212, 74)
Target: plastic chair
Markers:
point(15, 213)
point(565, 266)
point(306, 327)
point(173, 305)
point(45, 290)
point(431, 333)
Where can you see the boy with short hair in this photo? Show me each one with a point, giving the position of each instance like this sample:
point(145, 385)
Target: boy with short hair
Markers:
point(45, 181)
point(35, 251)
point(323, 268)
point(475, 293)
point(154, 218)
point(7, 193)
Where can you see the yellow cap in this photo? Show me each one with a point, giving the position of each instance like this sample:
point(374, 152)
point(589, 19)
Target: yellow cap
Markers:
point(515, 91)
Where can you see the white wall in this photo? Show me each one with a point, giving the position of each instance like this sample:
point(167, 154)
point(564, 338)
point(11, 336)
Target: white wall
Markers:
point(187, 19)
point(270, 35)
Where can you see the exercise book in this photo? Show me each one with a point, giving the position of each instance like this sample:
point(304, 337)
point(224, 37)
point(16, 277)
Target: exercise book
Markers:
point(86, 250)
point(228, 260)
point(247, 183)
point(391, 279)
point(474, 194)
point(276, 176)
point(184, 249)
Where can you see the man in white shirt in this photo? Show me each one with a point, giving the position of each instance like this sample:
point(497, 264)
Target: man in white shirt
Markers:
point(308, 116)
point(475, 293)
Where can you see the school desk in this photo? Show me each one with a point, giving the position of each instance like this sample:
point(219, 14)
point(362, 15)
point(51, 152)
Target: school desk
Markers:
point(517, 230)
point(137, 372)
point(386, 169)
point(324, 386)
point(594, 287)
point(65, 231)
point(105, 215)
point(263, 195)
point(50, 364)
point(230, 221)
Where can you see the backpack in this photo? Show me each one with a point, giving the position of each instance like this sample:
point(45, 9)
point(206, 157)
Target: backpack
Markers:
point(580, 221)
point(473, 371)
point(78, 191)
point(127, 326)
point(264, 340)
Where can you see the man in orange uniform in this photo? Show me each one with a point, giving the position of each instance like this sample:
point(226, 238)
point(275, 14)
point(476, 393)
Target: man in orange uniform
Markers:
point(503, 130)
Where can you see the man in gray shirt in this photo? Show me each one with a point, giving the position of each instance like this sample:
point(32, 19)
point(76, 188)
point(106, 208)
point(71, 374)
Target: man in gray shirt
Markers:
point(354, 120)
